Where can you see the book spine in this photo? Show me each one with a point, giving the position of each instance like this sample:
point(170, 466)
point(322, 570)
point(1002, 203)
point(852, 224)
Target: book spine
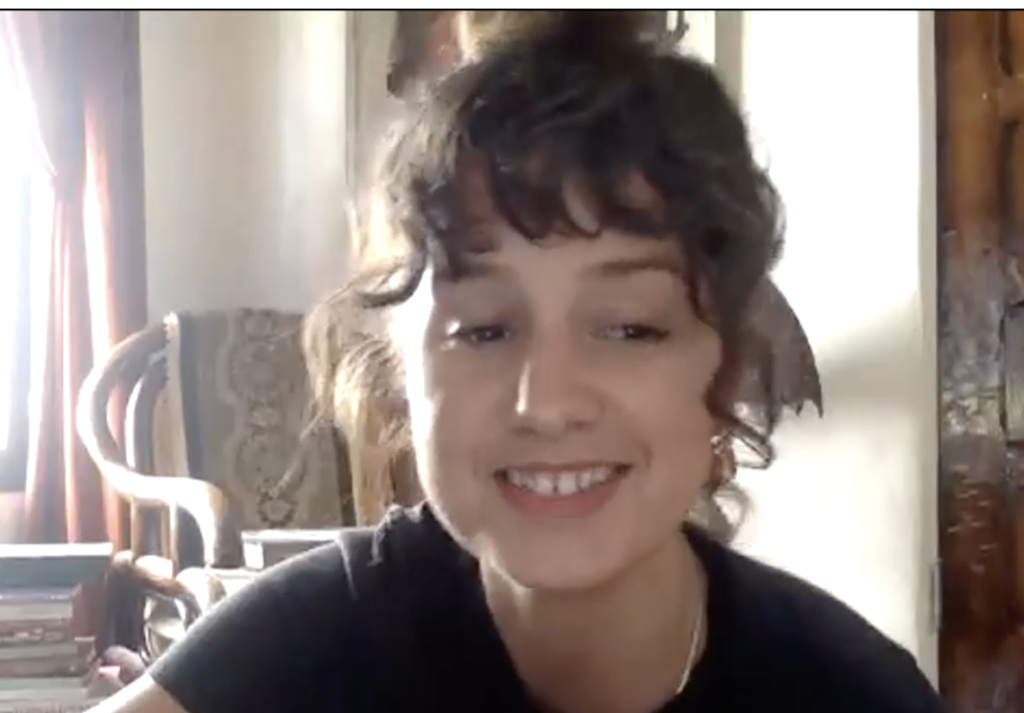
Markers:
point(15, 633)
point(56, 667)
point(47, 706)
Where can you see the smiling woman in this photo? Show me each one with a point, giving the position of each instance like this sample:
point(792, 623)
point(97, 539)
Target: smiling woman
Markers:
point(577, 233)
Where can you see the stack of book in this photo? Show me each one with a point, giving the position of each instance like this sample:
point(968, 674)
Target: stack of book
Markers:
point(47, 663)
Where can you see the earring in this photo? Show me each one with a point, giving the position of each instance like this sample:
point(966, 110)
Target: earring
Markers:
point(723, 461)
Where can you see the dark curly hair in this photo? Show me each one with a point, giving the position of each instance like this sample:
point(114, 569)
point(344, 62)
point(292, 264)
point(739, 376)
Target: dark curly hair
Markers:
point(589, 97)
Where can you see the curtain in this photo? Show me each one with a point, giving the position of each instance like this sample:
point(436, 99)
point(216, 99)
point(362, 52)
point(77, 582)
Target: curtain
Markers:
point(78, 73)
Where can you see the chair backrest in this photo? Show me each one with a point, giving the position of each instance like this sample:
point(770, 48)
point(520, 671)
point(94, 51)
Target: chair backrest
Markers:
point(237, 384)
point(217, 425)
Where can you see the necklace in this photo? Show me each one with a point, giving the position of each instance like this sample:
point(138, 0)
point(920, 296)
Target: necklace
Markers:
point(691, 657)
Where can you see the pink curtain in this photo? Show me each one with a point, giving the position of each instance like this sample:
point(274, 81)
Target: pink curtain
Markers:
point(78, 71)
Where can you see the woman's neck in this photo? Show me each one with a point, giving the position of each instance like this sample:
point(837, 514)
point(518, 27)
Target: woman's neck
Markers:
point(619, 648)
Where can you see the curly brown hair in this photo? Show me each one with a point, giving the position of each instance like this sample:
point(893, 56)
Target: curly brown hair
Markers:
point(590, 97)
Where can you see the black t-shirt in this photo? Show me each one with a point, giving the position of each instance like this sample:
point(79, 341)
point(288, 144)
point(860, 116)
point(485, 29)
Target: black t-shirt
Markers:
point(393, 620)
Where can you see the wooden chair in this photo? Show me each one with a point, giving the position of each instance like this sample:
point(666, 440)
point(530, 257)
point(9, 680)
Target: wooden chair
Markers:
point(216, 445)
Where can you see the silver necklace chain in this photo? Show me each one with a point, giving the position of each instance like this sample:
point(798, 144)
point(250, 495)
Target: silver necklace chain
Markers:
point(691, 657)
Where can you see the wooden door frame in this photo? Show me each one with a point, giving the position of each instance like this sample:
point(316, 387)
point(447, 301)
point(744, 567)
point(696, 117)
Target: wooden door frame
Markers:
point(980, 59)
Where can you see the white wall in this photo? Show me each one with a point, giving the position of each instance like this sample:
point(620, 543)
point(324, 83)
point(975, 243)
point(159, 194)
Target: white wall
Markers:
point(375, 106)
point(847, 125)
point(245, 126)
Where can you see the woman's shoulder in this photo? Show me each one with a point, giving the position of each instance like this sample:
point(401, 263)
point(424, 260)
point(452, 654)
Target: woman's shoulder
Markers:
point(407, 542)
point(808, 642)
point(368, 574)
point(317, 624)
point(364, 561)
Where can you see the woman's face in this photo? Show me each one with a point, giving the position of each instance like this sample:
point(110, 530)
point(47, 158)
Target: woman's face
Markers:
point(556, 402)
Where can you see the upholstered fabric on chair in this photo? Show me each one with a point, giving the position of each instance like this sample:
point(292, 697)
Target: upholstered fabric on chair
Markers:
point(241, 386)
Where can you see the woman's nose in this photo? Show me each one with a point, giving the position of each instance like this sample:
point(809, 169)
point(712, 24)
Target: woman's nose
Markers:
point(554, 392)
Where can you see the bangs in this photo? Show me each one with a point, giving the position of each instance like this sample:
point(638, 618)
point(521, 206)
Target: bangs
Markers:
point(541, 196)
point(567, 149)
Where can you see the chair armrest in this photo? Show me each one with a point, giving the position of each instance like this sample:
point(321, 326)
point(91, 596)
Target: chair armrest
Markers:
point(132, 584)
point(151, 575)
point(202, 500)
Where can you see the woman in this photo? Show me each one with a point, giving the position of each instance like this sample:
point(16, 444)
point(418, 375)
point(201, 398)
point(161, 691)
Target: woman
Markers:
point(570, 230)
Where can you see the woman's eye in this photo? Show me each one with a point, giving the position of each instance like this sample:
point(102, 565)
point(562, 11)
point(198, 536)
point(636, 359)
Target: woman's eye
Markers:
point(479, 334)
point(634, 333)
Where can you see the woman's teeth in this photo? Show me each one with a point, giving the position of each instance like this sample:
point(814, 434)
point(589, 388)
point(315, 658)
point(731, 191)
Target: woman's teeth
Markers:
point(562, 483)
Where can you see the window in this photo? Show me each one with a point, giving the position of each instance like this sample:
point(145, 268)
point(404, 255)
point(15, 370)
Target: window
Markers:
point(16, 180)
